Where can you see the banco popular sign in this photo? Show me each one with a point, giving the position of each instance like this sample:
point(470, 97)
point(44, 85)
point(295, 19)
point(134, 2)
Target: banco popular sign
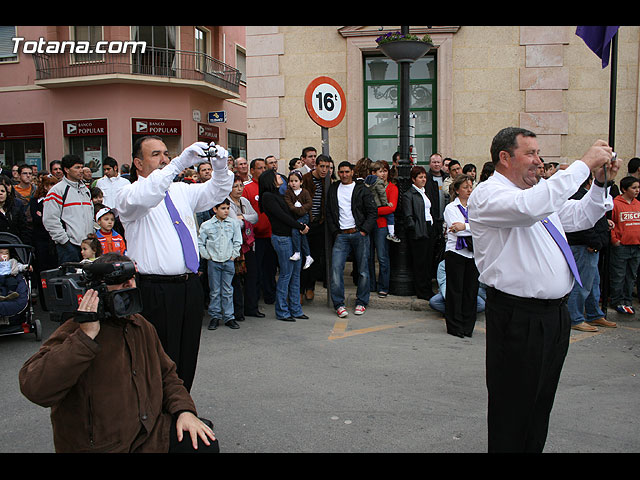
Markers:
point(84, 128)
point(146, 126)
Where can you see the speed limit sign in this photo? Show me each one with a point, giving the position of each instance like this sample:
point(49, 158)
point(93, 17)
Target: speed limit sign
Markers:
point(325, 102)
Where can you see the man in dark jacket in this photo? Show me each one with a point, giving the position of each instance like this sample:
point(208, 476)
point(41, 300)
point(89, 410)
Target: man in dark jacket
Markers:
point(583, 302)
point(435, 191)
point(315, 183)
point(351, 215)
point(110, 385)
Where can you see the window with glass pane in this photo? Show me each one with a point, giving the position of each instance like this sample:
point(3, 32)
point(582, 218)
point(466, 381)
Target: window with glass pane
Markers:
point(201, 48)
point(381, 104)
point(159, 57)
point(92, 35)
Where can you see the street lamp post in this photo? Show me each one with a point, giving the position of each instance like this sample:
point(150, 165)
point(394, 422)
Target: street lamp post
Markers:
point(401, 278)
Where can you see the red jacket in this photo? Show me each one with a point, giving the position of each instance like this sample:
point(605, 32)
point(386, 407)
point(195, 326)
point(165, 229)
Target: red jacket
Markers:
point(392, 197)
point(626, 217)
point(262, 229)
point(111, 242)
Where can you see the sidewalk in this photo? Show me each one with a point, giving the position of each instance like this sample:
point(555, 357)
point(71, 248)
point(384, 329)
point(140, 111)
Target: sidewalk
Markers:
point(391, 302)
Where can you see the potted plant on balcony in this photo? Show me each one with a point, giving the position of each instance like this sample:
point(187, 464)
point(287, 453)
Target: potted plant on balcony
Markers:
point(404, 47)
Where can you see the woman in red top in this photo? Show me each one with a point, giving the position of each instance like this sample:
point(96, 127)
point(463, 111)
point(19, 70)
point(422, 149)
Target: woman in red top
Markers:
point(625, 245)
point(379, 237)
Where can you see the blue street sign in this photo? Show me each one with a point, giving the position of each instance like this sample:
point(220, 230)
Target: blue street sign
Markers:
point(217, 117)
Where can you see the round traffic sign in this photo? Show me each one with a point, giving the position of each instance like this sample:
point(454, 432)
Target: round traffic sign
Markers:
point(325, 102)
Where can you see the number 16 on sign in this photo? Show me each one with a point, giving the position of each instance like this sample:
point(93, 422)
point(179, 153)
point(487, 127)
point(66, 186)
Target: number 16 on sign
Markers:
point(325, 102)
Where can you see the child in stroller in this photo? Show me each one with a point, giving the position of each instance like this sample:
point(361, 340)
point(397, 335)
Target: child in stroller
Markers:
point(10, 270)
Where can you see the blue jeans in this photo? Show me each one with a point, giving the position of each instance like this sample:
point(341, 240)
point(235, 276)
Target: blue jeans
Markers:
point(623, 264)
point(437, 302)
point(287, 302)
point(381, 245)
point(220, 289)
point(300, 242)
point(583, 302)
point(343, 244)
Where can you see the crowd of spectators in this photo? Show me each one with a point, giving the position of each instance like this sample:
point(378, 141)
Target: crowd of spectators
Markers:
point(277, 252)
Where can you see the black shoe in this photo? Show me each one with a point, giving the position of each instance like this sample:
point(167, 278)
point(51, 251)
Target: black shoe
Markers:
point(302, 317)
point(288, 319)
point(232, 324)
point(213, 324)
point(258, 314)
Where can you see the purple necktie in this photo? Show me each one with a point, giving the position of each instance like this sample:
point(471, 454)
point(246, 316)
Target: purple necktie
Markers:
point(564, 247)
point(189, 251)
point(462, 242)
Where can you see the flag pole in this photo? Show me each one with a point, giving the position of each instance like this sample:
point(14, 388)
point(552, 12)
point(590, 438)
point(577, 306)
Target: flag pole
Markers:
point(612, 90)
point(605, 252)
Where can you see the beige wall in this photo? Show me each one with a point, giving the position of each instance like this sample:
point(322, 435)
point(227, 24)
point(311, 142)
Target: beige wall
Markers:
point(542, 78)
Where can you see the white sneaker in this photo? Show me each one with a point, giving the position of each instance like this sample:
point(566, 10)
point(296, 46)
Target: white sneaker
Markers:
point(295, 257)
point(359, 310)
point(393, 238)
point(308, 262)
point(342, 312)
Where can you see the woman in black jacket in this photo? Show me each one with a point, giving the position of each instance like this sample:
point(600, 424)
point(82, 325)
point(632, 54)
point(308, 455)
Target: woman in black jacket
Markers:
point(416, 208)
point(271, 202)
point(46, 256)
point(12, 217)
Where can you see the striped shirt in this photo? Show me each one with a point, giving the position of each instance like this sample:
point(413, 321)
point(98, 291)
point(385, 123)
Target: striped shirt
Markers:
point(317, 197)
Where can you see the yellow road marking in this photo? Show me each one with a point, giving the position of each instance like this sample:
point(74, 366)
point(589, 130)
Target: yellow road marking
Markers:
point(340, 328)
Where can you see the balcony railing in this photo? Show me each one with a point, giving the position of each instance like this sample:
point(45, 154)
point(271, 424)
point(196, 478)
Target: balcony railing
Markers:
point(155, 62)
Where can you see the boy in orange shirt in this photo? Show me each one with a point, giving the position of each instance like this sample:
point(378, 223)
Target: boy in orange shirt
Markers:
point(110, 240)
point(625, 244)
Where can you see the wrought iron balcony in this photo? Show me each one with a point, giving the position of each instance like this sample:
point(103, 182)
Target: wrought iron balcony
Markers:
point(154, 62)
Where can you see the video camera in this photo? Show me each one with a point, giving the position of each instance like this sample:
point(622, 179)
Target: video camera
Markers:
point(64, 287)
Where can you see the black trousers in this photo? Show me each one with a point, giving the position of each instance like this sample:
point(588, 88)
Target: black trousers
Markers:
point(421, 258)
point(461, 297)
point(266, 266)
point(251, 288)
point(317, 270)
point(176, 309)
point(527, 342)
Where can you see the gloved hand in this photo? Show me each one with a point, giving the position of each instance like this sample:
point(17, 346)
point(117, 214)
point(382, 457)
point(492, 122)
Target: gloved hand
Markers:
point(195, 153)
point(219, 162)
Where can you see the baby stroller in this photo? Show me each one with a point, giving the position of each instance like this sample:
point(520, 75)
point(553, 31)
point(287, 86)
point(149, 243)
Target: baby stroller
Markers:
point(16, 314)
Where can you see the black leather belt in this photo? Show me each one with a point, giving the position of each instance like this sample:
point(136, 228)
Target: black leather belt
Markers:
point(167, 278)
point(543, 302)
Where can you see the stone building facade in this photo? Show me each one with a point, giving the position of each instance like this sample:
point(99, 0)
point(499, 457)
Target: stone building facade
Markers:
point(488, 77)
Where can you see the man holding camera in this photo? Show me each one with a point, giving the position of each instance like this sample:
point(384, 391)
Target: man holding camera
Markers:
point(158, 215)
point(519, 228)
point(109, 383)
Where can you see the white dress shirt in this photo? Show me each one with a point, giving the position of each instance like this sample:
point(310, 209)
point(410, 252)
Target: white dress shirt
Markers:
point(427, 204)
point(109, 187)
point(513, 251)
point(152, 241)
point(452, 214)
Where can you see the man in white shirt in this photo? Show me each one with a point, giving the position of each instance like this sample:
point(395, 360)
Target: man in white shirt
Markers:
point(111, 182)
point(351, 215)
point(171, 291)
point(528, 279)
point(308, 157)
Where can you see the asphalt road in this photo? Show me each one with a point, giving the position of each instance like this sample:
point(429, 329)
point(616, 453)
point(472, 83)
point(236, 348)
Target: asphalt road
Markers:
point(391, 380)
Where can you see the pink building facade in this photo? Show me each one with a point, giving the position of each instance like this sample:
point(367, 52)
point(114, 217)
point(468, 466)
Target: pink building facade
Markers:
point(186, 86)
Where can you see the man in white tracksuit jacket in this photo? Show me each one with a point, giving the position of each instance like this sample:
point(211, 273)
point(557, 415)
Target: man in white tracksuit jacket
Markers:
point(67, 213)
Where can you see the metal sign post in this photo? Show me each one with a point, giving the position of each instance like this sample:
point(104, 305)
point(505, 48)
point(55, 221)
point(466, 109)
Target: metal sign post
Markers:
point(326, 104)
